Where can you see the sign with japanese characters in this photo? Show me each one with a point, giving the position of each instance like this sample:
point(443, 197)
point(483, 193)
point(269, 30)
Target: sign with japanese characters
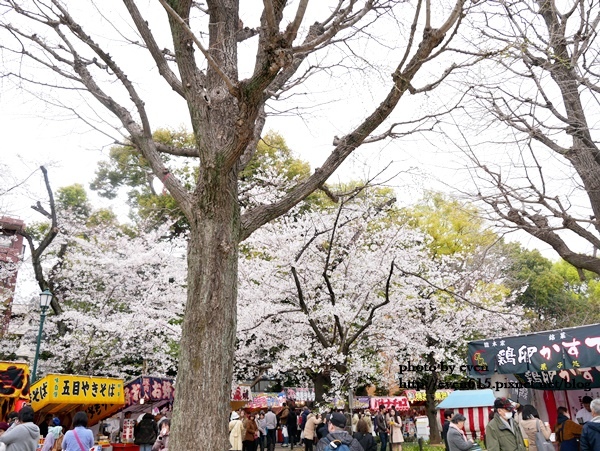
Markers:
point(99, 397)
point(14, 380)
point(14, 385)
point(264, 400)
point(361, 402)
point(399, 402)
point(299, 394)
point(149, 389)
point(71, 389)
point(421, 395)
point(241, 393)
point(573, 379)
point(555, 352)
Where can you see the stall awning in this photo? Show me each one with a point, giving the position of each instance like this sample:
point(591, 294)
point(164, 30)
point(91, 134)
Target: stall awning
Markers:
point(66, 394)
point(145, 393)
point(559, 359)
point(468, 398)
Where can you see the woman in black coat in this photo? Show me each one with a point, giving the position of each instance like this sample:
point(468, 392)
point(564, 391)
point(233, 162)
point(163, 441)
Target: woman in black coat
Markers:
point(364, 437)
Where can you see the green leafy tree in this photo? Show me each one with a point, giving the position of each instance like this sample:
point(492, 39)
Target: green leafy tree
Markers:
point(455, 229)
point(75, 199)
point(555, 294)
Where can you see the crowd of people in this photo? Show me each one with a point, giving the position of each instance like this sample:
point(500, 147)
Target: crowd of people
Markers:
point(20, 433)
point(312, 430)
point(514, 427)
point(511, 427)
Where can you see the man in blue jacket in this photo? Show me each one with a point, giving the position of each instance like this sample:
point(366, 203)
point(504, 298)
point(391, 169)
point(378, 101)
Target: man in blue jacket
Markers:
point(590, 437)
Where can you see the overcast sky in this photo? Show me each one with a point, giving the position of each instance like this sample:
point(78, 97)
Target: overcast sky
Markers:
point(35, 132)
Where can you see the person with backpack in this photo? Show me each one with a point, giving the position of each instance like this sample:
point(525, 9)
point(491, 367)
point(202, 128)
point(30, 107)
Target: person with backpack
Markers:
point(338, 439)
point(145, 432)
point(567, 431)
point(55, 432)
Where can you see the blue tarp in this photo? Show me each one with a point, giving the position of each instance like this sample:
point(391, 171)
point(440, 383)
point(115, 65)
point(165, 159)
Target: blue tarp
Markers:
point(468, 398)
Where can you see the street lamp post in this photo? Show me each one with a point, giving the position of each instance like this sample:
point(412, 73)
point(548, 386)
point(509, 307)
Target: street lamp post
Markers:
point(45, 299)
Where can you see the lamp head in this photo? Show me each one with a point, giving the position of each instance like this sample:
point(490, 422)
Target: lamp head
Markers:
point(45, 298)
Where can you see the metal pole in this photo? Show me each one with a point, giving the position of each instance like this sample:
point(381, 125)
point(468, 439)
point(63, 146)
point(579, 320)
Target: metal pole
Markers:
point(39, 341)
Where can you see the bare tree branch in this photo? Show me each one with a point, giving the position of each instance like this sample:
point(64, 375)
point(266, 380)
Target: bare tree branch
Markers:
point(157, 54)
point(213, 64)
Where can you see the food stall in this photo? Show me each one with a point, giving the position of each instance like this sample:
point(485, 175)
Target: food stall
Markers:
point(14, 386)
point(148, 394)
point(475, 405)
point(63, 395)
point(144, 394)
point(547, 369)
point(241, 395)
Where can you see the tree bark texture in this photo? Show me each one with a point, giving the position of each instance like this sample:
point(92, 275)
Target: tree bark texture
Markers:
point(209, 327)
point(322, 382)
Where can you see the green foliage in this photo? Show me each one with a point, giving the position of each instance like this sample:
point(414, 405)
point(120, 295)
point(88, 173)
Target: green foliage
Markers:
point(37, 230)
point(103, 216)
point(75, 199)
point(556, 295)
point(127, 170)
point(273, 150)
point(454, 227)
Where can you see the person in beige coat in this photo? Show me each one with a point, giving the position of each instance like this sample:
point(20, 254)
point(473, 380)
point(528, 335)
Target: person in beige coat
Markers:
point(396, 434)
point(310, 430)
point(530, 424)
point(235, 432)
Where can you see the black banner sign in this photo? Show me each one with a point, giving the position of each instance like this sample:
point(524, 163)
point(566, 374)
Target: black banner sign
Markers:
point(556, 351)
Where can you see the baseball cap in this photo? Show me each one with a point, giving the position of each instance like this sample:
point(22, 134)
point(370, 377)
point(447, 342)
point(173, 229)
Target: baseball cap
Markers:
point(338, 419)
point(503, 403)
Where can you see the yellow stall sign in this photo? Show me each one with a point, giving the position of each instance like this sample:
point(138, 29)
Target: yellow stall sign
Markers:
point(98, 396)
point(14, 385)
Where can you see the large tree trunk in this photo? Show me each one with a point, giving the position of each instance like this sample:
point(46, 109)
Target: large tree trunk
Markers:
point(209, 327)
point(431, 387)
point(322, 382)
point(434, 432)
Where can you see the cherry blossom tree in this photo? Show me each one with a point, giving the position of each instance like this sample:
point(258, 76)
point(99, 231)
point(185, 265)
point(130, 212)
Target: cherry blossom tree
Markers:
point(330, 296)
point(122, 297)
point(227, 103)
point(120, 290)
